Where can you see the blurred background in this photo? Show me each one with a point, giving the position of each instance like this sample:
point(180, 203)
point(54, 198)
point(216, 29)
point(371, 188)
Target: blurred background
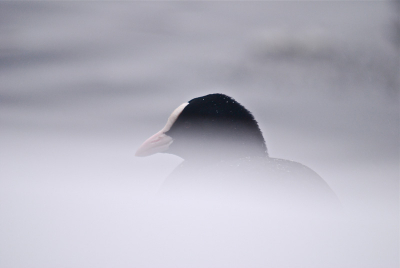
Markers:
point(83, 84)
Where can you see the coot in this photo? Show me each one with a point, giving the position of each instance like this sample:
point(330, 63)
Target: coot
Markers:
point(226, 158)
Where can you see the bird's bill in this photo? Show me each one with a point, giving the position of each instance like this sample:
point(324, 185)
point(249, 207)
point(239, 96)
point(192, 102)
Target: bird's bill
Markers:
point(160, 142)
point(157, 143)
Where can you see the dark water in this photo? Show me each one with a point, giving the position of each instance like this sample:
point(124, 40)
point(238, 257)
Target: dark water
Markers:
point(84, 83)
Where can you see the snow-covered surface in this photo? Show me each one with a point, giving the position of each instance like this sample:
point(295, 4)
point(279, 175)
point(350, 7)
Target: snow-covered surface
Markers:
point(83, 84)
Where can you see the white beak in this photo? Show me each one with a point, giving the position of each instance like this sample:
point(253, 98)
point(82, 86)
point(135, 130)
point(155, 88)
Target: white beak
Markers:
point(157, 143)
point(160, 142)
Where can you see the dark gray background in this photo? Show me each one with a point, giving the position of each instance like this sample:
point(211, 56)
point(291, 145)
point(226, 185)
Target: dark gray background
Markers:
point(82, 84)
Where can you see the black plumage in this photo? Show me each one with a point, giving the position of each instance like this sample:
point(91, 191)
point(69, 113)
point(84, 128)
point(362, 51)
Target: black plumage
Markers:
point(216, 127)
point(225, 157)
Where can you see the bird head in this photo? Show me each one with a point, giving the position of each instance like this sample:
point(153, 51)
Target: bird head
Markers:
point(212, 127)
